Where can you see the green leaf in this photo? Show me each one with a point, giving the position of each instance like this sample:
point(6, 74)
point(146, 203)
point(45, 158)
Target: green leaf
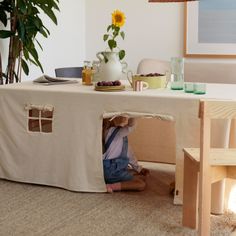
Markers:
point(22, 6)
point(49, 13)
point(26, 53)
point(32, 61)
point(117, 28)
point(122, 34)
point(21, 30)
point(37, 63)
point(6, 34)
point(43, 32)
point(37, 22)
point(40, 66)
point(121, 54)
point(39, 44)
point(115, 33)
point(25, 66)
point(105, 37)
point(54, 5)
point(34, 53)
point(3, 17)
point(109, 27)
point(112, 44)
point(46, 30)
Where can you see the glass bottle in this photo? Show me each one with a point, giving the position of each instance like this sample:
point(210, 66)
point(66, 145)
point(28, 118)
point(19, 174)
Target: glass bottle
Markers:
point(84, 71)
point(88, 74)
point(95, 70)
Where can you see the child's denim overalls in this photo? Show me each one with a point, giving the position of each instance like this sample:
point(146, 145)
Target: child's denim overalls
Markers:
point(116, 170)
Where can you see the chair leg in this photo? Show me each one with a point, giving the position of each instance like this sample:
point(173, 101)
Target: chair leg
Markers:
point(204, 218)
point(190, 193)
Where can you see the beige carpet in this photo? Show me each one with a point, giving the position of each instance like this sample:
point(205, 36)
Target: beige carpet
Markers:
point(38, 210)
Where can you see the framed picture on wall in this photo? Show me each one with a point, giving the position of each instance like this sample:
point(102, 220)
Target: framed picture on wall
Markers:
point(210, 29)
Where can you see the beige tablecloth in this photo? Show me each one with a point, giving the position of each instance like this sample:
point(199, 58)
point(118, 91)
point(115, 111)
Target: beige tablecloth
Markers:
point(71, 156)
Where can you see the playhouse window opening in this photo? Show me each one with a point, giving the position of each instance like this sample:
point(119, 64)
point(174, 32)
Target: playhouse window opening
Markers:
point(152, 136)
point(40, 120)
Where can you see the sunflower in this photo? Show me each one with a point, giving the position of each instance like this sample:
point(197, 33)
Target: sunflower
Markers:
point(118, 18)
point(114, 32)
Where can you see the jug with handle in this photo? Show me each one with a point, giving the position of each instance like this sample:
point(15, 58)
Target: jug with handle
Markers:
point(111, 68)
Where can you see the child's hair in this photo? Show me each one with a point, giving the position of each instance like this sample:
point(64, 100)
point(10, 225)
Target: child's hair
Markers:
point(120, 121)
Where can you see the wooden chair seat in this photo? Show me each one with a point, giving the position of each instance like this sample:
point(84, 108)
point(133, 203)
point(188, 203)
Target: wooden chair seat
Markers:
point(223, 165)
point(218, 156)
point(205, 165)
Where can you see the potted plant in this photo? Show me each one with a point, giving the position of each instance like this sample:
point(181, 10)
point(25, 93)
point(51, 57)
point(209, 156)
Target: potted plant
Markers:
point(23, 23)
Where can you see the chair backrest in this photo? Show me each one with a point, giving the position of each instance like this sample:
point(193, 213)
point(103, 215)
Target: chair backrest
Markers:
point(207, 72)
point(217, 109)
point(69, 72)
point(148, 65)
point(208, 111)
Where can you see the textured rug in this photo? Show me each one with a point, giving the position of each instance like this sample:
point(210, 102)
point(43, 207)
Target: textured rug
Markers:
point(33, 210)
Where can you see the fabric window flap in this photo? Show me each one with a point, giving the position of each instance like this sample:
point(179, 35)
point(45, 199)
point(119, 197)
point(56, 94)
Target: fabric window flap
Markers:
point(132, 114)
point(46, 107)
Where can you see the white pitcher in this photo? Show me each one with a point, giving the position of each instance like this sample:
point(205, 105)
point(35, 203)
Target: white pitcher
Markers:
point(113, 69)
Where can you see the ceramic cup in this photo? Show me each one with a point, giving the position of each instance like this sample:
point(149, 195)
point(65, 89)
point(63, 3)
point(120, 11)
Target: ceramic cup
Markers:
point(140, 85)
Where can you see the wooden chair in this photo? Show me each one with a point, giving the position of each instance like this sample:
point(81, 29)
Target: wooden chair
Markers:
point(206, 165)
point(69, 72)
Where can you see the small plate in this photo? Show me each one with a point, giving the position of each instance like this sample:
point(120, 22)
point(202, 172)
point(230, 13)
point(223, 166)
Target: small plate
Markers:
point(110, 88)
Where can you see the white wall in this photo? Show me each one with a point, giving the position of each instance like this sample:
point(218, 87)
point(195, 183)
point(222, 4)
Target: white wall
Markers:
point(66, 43)
point(152, 30)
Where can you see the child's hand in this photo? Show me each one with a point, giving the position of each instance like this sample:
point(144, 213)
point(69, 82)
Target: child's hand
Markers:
point(131, 122)
point(144, 172)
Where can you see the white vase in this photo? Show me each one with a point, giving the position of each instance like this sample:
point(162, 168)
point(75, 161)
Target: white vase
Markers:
point(110, 70)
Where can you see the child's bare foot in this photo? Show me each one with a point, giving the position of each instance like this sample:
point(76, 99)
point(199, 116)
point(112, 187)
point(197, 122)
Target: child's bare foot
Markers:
point(113, 187)
point(109, 189)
